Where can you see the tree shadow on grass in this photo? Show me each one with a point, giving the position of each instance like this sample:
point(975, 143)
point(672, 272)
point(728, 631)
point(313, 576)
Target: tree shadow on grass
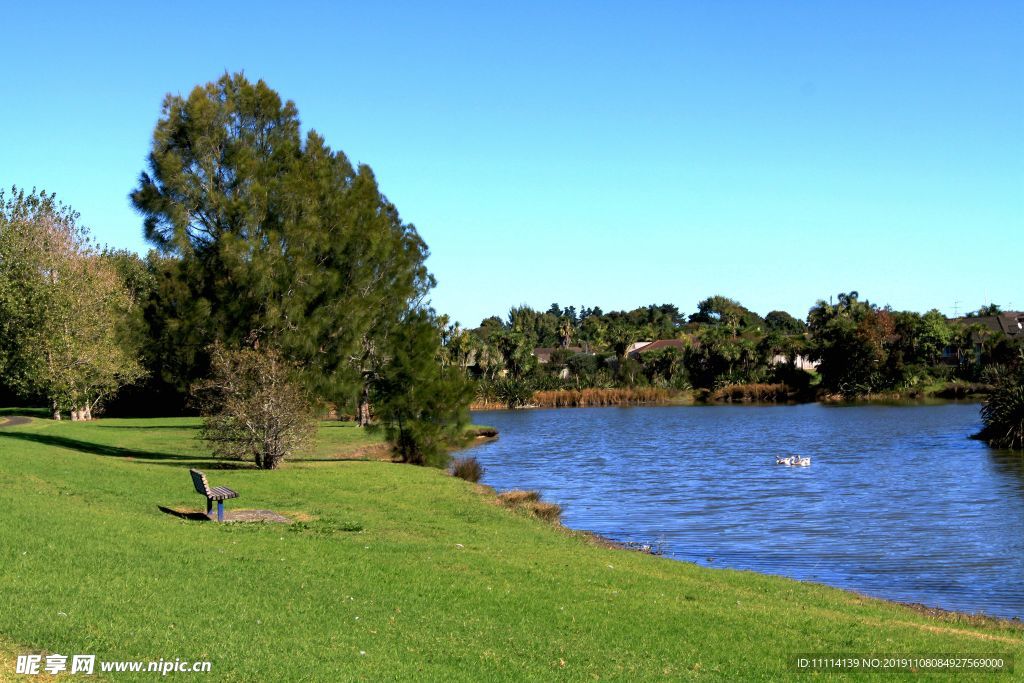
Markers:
point(132, 454)
point(27, 412)
point(95, 448)
point(147, 427)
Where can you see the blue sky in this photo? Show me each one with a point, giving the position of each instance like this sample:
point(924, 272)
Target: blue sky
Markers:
point(592, 153)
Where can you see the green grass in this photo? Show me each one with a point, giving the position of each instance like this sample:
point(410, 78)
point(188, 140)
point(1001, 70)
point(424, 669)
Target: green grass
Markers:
point(397, 573)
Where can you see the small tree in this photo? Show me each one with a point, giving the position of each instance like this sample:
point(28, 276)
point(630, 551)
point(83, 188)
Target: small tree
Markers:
point(420, 405)
point(64, 308)
point(254, 408)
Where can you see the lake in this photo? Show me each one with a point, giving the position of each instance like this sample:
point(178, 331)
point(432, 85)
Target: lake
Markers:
point(898, 503)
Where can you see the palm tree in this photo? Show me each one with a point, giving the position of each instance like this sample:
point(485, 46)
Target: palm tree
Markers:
point(565, 331)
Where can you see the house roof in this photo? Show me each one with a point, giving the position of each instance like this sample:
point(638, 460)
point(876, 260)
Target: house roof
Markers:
point(663, 344)
point(1010, 323)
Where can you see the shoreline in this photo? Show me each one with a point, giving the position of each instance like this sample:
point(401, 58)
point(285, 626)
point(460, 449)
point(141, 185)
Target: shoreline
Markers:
point(878, 400)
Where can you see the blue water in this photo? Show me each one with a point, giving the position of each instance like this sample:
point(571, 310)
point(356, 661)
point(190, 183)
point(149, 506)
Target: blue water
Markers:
point(898, 503)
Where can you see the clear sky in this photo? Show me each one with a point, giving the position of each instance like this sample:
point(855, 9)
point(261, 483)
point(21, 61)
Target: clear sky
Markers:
point(590, 153)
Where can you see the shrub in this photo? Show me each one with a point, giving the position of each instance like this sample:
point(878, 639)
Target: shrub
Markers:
point(253, 408)
point(514, 393)
point(469, 469)
point(1003, 414)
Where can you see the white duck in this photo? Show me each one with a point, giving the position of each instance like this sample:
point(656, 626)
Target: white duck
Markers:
point(793, 461)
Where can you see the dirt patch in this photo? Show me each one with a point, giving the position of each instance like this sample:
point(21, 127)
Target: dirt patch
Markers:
point(229, 515)
point(964, 618)
point(960, 632)
point(378, 452)
point(14, 421)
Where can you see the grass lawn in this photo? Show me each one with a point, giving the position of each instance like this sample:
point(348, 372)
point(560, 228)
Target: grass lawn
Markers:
point(397, 573)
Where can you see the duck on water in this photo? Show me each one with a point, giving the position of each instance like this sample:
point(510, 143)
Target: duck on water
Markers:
point(793, 461)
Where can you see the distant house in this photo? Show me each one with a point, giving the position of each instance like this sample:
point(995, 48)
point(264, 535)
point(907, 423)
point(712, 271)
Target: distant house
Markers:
point(661, 345)
point(1010, 323)
point(636, 346)
point(543, 353)
point(641, 348)
point(799, 362)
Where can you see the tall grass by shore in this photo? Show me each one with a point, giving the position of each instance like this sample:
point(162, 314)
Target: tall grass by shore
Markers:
point(753, 393)
point(582, 398)
point(589, 398)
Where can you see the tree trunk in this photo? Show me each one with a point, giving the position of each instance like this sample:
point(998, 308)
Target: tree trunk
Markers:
point(86, 413)
point(75, 415)
point(56, 412)
point(364, 407)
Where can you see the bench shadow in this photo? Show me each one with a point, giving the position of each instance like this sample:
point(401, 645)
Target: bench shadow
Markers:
point(184, 514)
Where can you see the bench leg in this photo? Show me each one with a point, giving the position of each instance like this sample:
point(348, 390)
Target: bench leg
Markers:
point(220, 510)
point(209, 507)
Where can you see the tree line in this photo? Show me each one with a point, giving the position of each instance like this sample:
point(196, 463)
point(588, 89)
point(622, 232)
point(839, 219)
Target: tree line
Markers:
point(853, 348)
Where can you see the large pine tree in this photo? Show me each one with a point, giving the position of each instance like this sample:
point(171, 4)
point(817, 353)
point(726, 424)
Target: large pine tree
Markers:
point(265, 233)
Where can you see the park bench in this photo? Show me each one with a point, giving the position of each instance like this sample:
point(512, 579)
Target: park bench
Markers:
point(219, 494)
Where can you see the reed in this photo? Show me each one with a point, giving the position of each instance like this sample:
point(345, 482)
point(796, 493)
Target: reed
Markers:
point(582, 398)
point(487, 405)
point(468, 468)
point(530, 503)
point(752, 393)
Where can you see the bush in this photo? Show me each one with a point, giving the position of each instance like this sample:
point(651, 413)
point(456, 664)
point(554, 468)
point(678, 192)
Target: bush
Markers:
point(253, 408)
point(514, 393)
point(469, 469)
point(1003, 414)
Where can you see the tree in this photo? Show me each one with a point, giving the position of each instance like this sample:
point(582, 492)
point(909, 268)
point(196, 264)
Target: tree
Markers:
point(253, 406)
point(850, 340)
point(566, 328)
point(65, 309)
point(594, 332)
point(516, 351)
point(985, 311)
point(780, 321)
point(664, 363)
point(461, 347)
point(261, 230)
point(720, 310)
point(420, 404)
